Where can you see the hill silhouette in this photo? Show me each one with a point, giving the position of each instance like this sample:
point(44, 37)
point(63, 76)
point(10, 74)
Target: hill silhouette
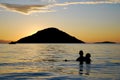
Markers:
point(49, 35)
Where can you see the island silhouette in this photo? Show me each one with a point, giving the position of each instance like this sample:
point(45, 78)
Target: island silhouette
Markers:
point(105, 42)
point(49, 35)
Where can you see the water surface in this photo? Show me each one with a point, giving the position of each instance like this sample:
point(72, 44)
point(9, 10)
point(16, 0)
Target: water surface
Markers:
point(46, 62)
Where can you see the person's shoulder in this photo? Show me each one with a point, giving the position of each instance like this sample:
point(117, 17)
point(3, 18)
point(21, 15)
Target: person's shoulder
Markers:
point(77, 59)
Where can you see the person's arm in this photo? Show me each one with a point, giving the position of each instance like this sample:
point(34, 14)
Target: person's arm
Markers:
point(77, 59)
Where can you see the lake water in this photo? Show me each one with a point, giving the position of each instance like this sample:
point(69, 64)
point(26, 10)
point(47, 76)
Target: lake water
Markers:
point(46, 62)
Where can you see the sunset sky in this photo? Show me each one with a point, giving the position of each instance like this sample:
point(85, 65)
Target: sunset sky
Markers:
point(87, 20)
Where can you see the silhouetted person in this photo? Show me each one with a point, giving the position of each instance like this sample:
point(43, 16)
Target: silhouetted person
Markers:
point(81, 58)
point(87, 58)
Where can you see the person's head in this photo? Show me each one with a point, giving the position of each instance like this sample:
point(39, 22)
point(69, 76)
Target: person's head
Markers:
point(88, 55)
point(81, 53)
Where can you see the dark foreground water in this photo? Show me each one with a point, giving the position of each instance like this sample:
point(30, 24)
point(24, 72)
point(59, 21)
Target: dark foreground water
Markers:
point(46, 62)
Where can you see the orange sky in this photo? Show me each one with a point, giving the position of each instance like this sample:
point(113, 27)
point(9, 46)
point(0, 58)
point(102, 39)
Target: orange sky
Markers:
point(87, 21)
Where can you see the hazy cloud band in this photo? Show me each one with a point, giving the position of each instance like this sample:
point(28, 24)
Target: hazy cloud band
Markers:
point(29, 8)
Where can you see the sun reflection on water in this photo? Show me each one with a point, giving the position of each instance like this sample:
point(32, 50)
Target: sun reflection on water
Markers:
point(39, 59)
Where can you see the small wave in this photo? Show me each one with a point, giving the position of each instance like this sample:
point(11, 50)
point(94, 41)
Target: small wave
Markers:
point(23, 76)
point(14, 64)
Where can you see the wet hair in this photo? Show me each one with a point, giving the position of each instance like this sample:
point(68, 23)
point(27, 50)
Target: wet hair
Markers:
point(88, 55)
point(81, 52)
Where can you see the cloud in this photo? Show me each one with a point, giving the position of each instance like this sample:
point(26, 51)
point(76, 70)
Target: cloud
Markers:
point(89, 2)
point(26, 9)
point(47, 5)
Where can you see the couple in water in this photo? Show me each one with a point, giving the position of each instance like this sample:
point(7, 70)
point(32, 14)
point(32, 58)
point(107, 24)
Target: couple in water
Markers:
point(83, 59)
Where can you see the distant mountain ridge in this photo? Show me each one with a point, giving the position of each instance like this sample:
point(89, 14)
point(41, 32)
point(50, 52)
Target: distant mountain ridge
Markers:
point(105, 42)
point(49, 35)
point(4, 41)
